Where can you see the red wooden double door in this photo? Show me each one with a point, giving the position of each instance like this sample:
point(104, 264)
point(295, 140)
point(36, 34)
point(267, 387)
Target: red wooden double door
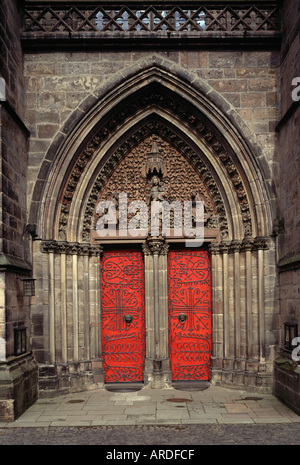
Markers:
point(123, 314)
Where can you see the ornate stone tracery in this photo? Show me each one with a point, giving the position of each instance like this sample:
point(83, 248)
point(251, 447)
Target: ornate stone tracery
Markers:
point(153, 18)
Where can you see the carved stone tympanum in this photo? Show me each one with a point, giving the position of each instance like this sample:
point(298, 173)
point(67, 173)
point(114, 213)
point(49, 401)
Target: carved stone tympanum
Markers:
point(156, 171)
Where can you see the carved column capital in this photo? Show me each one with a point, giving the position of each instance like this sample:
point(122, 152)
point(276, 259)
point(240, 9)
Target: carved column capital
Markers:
point(224, 247)
point(164, 249)
point(235, 246)
point(155, 247)
point(261, 243)
point(49, 246)
point(247, 245)
point(95, 250)
point(71, 248)
point(146, 249)
point(214, 248)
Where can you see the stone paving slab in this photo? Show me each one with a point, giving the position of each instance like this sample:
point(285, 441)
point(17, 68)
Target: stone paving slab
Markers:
point(214, 405)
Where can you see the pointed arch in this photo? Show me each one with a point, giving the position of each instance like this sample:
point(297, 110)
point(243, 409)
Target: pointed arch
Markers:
point(155, 96)
point(204, 124)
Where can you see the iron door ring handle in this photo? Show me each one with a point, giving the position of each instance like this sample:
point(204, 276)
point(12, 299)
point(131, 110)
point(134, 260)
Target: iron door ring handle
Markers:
point(128, 319)
point(182, 317)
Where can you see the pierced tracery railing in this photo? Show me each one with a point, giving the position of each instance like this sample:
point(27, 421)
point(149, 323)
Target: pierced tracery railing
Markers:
point(196, 18)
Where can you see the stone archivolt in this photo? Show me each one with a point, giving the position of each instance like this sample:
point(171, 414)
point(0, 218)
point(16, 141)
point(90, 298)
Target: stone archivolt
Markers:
point(197, 122)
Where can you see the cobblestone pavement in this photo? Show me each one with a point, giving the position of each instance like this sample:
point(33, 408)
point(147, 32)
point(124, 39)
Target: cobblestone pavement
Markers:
point(159, 417)
point(161, 435)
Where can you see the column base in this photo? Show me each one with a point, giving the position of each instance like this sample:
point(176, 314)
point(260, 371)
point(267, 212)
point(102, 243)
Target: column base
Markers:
point(249, 375)
point(157, 374)
point(58, 379)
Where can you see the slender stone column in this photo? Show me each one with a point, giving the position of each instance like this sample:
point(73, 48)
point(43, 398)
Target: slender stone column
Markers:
point(63, 306)
point(163, 302)
point(51, 309)
point(260, 244)
point(228, 357)
point(96, 329)
point(261, 304)
point(235, 248)
point(252, 362)
point(86, 287)
point(157, 364)
point(149, 303)
point(75, 307)
point(156, 303)
point(224, 249)
point(217, 312)
point(247, 247)
point(95, 291)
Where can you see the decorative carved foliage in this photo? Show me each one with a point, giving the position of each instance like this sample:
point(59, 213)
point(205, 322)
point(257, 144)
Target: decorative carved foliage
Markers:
point(155, 247)
point(70, 248)
point(247, 245)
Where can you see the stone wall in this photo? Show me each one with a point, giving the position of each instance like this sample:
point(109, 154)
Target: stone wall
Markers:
point(287, 382)
point(14, 135)
point(288, 132)
point(57, 83)
point(18, 373)
point(13, 152)
point(286, 371)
